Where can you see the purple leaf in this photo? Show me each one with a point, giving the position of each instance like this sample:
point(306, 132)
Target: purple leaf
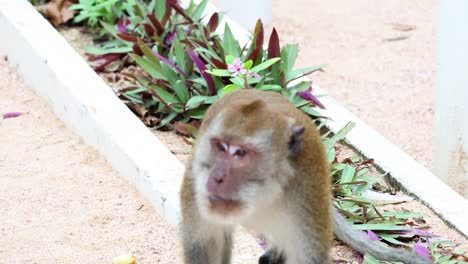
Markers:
point(201, 66)
point(257, 42)
point(274, 45)
point(102, 61)
point(218, 64)
point(149, 29)
point(170, 63)
point(420, 232)
point(137, 50)
point(167, 15)
point(308, 96)
point(371, 235)
point(422, 250)
point(213, 23)
point(156, 24)
point(180, 10)
point(127, 37)
point(169, 39)
point(122, 24)
point(11, 115)
point(359, 257)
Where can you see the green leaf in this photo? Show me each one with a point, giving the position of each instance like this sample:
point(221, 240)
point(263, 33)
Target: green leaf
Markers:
point(382, 226)
point(248, 65)
point(269, 87)
point(237, 80)
point(197, 113)
point(148, 66)
point(348, 175)
point(301, 86)
point(288, 58)
point(179, 54)
point(149, 55)
point(111, 29)
point(294, 73)
point(167, 97)
point(404, 215)
point(368, 259)
point(166, 120)
point(221, 73)
point(230, 44)
point(340, 135)
point(229, 59)
point(197, 13)
point(265, 65)
point(310, 110)
point(391, 239)
point(331, 154)
point(229, 88)
point(198, 100)
point(181, 90)
point(160, 9)
point(96, 50)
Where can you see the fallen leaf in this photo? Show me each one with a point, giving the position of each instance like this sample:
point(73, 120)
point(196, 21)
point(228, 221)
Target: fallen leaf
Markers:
point(11, 115)
point(138, 109)
point(403, 27)
point(59, 12)
point(396, 38)
point(150, 120)
point(421, 250)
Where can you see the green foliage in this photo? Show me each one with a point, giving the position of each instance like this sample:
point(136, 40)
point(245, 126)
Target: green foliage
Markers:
point(94, 11)
point(184, 58)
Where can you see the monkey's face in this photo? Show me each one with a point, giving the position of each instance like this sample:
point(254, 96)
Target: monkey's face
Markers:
point(237, 175)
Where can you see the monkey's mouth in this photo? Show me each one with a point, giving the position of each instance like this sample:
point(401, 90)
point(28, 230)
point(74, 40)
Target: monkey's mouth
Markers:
point(223, 205)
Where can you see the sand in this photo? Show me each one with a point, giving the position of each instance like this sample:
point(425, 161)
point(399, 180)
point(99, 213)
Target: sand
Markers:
point(376, 69)
point(60, 201)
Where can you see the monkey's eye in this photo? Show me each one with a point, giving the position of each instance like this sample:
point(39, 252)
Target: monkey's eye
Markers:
point(221, 146)
point(240, 153)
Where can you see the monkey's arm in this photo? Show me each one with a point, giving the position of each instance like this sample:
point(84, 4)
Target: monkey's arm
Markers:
point(345, 232)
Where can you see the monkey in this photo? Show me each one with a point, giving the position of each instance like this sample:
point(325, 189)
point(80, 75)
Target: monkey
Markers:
point(259, 162)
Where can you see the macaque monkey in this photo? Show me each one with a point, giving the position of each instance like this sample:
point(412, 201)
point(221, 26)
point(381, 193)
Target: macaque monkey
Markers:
point(259, 162)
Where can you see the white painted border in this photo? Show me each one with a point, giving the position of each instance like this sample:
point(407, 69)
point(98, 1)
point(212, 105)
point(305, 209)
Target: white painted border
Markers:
point(85, 103)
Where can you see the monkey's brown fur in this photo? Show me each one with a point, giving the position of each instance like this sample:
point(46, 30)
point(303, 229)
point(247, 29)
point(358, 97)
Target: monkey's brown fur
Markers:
point(304, 198)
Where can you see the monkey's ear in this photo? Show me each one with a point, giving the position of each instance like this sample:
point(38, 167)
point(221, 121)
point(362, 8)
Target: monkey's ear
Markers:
point(251, 107)
point(295, 142)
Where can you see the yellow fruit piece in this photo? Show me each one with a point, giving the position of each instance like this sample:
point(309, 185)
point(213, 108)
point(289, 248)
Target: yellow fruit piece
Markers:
point(124, 259)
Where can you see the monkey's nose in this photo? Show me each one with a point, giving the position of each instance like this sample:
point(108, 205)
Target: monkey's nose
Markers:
point(218, 180)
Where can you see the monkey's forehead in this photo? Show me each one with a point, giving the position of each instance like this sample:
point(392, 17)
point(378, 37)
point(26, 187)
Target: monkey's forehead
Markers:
point(255, 130)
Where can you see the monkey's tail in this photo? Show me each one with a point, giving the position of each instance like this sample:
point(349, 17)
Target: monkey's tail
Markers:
point(345, 232)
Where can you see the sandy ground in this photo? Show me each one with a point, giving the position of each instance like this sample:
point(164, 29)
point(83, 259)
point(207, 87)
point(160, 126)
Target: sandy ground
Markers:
point(61, 202)
point(376, 69)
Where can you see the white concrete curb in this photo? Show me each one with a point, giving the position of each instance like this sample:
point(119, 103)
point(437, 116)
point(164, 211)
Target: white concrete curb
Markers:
point(85, 103)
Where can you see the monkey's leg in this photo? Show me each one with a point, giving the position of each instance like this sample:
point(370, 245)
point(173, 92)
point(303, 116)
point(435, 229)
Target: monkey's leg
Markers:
point(272, 256)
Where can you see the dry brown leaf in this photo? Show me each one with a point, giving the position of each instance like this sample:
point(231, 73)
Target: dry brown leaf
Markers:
point(59, 12)
point(140, 110)
point(150, 120)
point(396, 38)
point(403, 27)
